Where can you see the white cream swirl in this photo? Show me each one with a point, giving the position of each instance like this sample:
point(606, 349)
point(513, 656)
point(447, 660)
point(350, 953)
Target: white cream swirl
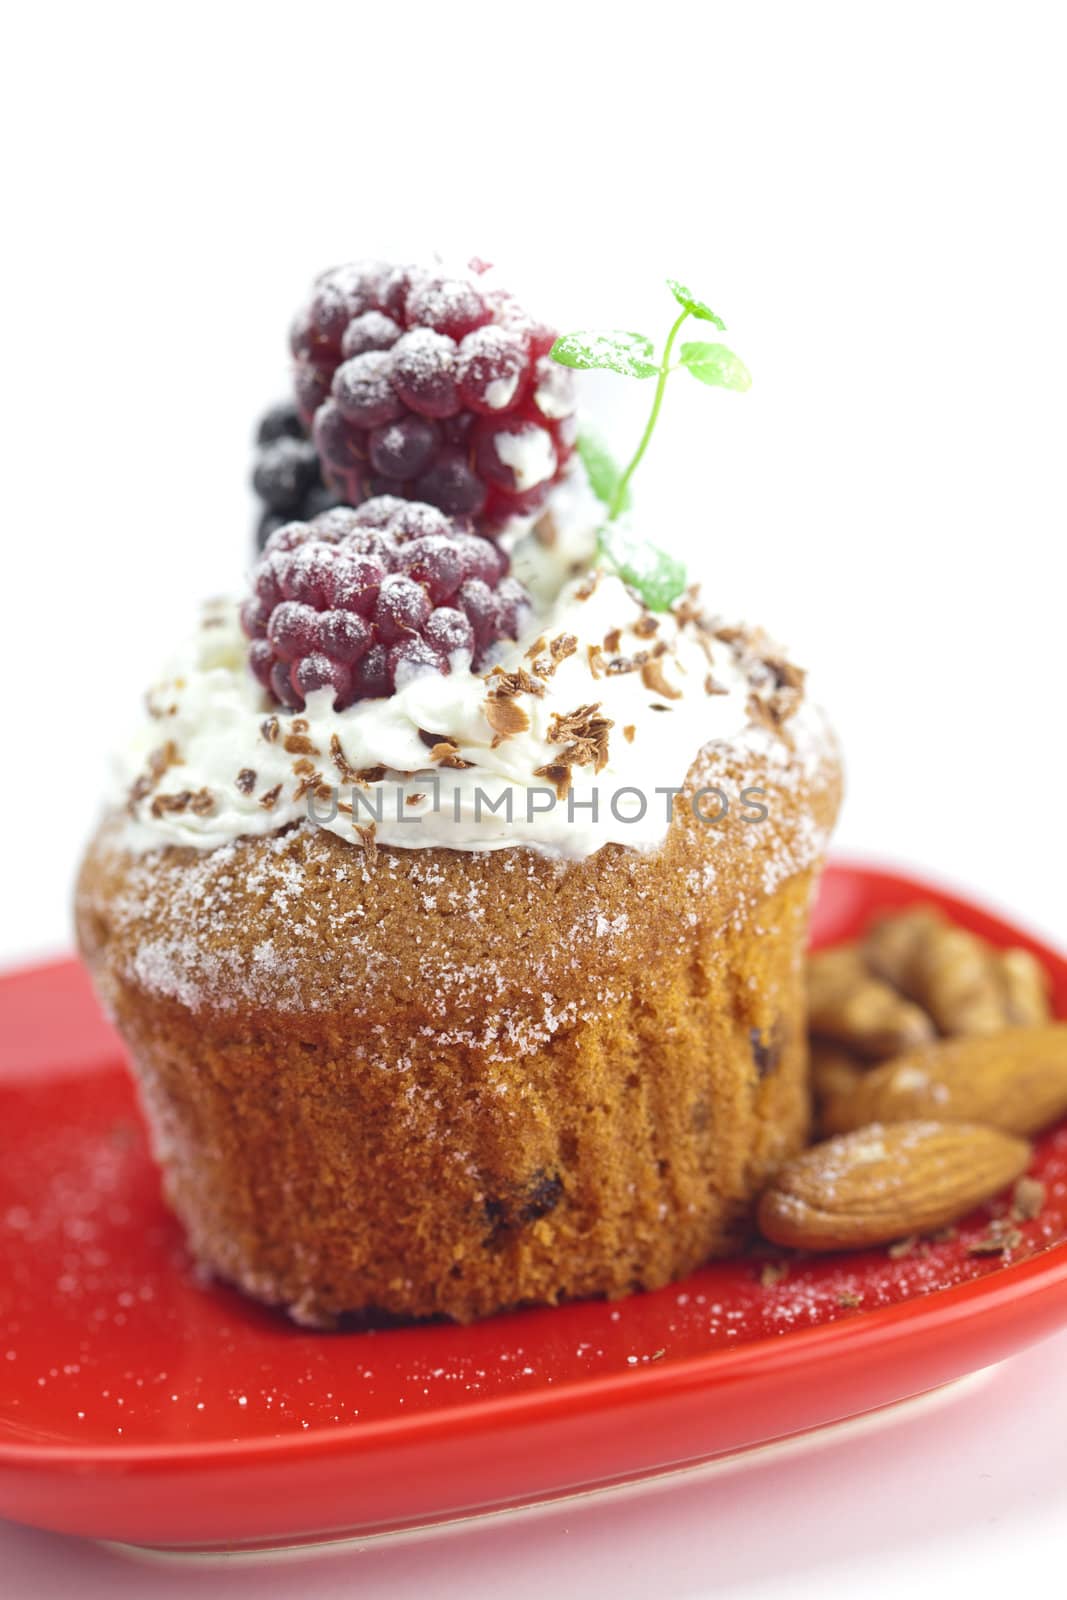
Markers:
point(599, 743)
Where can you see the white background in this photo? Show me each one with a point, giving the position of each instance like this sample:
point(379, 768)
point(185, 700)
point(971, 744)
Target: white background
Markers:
point(872, 197)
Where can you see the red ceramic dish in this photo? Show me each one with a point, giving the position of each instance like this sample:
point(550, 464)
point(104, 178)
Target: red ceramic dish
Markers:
point(139, 1403)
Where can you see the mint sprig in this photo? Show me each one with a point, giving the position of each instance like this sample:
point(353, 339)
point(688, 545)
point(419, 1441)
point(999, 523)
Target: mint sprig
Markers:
point(696, 308)
point(629, 354)
point(657, 576)
point(601, 469)
point(714, 364)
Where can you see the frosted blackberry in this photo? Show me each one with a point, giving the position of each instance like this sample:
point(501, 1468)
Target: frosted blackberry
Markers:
point(433, 388)
point(357, 601)
point(286, 476)
point(316, 501)
point(280, 422)
point(286, 471)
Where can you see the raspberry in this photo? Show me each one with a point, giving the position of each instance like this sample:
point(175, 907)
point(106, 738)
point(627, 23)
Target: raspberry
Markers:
point(363, 390)
point(403, 449)
point(359, 600)
point(491, 369)
point(371, 331)
point(424, 372)
point(287, 476)
point(452, 483)
point(434, 388)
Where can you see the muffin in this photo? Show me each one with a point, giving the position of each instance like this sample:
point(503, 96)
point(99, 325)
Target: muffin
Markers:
point(484, 989)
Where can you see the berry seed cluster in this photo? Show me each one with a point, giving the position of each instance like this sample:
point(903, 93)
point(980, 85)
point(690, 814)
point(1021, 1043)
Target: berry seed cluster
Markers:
point(359, 600)
point(432, 388)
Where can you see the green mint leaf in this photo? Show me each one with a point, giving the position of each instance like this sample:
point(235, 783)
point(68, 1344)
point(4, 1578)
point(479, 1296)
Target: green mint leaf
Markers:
point(659, 578)
point(601, 469)
point(714, 364)
point(611, 349)
point(696, 308)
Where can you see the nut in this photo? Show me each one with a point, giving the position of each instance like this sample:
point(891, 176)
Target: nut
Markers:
point(885, 1181)
point(1025, 985)
point(966, 985)
point(1015, 1080)
point(834, 1071)
point(848, 1005)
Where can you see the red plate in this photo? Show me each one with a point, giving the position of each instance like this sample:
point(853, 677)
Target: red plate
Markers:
point(139, 1403)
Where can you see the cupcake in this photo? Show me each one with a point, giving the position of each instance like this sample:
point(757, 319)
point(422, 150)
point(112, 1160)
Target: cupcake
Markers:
point(454, 922)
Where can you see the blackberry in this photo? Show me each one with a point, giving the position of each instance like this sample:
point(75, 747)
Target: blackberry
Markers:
point(434, 388)
point(285, 471)
point(359, 600)
point(282, 421)
point(317, 500)
point(286, 477)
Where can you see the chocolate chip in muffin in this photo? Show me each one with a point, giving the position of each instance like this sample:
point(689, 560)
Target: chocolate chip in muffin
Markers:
point(543, 1195)
point(766, 1053)
point(523, 1204)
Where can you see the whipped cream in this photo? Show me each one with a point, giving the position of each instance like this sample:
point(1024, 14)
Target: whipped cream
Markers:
point(530, 453)
point(579, 735)
point(215, 759)
point(558, 542)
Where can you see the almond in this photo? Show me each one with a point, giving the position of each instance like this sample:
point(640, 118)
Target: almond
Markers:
point(966, 985)
point(848, 1005)
point(946, 969)
point(1025, 985)
point(885, 1181)
point(1015, 1080)
point(834, 1071)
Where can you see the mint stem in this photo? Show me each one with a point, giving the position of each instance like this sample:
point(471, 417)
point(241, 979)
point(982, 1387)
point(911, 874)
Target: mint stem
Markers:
point(619, 498)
